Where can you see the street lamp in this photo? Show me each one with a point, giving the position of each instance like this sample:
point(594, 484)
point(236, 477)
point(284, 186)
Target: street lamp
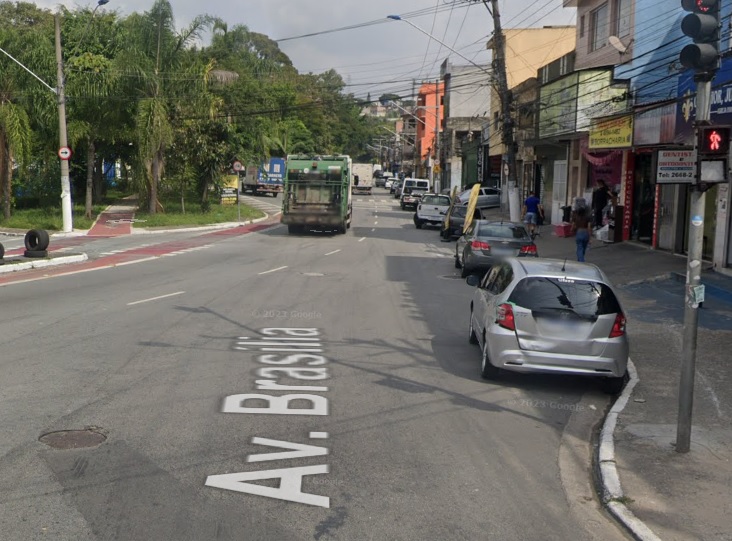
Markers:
point(66, 207)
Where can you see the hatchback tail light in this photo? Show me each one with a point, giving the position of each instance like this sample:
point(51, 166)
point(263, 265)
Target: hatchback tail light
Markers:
point(480, 245)
point(618, 327)
point(505, 317)
point(529, 249)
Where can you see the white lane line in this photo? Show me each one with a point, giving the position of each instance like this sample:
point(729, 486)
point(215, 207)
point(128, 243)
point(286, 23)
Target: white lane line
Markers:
point(333, 252)
point(134, 262)
point(273, 270)
point(374, 229)
point(376, 223)
point(156, 298)
point(362, 239)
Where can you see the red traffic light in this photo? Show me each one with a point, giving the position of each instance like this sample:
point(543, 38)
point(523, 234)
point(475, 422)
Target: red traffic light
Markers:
point(714, 140)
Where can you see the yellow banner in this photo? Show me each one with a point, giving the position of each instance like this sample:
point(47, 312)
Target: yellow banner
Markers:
point(612, 133)
point(472, 203)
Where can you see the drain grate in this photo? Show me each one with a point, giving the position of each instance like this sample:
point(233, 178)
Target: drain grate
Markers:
point(73, 439)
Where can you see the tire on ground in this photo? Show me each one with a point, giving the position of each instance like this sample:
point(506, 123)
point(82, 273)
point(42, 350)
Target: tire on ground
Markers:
point(2, 251)
point(36, 253)
point(36, 240)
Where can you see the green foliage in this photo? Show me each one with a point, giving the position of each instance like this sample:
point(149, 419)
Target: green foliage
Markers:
point(172, 114)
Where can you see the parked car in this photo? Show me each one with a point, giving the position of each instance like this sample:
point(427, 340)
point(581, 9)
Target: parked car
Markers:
point(487, 242)
point(454, 221)
point(379, 179)
point(487, 198)
point(390, 183)
point(431, 210)
point(410, 199)
point(549, 316)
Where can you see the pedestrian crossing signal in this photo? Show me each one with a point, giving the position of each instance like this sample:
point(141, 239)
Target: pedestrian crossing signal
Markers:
point(714, 140)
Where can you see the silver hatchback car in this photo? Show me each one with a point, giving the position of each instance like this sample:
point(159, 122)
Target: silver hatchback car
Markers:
point(551, 316)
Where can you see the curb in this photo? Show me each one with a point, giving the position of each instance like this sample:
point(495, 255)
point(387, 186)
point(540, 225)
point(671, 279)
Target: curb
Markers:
point(43, 263)
point(612, 492)
point(212, 227)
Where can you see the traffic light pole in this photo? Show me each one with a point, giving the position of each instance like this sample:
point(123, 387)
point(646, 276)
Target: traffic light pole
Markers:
point(693, 280)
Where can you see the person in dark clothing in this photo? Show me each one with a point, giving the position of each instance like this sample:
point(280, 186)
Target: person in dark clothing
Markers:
point(532, 212)
point(600, 198)
point(581, 229)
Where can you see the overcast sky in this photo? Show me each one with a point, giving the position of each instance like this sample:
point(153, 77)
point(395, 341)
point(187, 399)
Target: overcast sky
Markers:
point(372, 59)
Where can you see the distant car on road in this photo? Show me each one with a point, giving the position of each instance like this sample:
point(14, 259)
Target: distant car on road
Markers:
point(487, 242)
point(397, 188)
point(389, 184)
point(431, 210)
point(549, 316)
point(487, 198)
point(410, 199)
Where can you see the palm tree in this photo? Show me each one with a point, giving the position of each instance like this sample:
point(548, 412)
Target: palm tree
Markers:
point(163, 74)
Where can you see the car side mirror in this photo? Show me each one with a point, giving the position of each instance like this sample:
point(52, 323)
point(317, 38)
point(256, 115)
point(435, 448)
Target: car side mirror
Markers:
point(473, 280)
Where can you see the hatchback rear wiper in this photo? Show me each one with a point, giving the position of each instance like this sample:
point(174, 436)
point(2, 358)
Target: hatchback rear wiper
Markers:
point(552, 309)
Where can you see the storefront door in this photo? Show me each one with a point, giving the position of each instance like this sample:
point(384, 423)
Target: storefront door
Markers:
point(644, 199)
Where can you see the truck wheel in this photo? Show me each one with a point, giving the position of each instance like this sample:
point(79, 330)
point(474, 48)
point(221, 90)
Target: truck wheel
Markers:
point(418, 223)
point(36, 240)
point(2, 252)
point(294, 229)
point(343, 228)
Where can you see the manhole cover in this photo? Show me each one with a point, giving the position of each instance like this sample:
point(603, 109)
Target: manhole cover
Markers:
point(73, 439)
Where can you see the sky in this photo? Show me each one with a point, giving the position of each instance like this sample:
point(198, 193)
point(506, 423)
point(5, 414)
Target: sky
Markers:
point(375, 58)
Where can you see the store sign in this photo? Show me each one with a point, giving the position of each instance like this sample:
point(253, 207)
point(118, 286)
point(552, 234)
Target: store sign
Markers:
point(676, 167)
point(612, 133)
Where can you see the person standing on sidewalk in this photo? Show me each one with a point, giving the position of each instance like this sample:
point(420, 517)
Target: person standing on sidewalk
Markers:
point(531, 212)
point(581, 229)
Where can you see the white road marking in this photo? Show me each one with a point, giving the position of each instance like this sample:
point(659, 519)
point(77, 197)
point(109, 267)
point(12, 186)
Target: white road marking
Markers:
point(333, 252)
point(362, 239)
point(273, 270)
point(376, 223)
point(136, 261)
point(156, 298)
point(374, 229)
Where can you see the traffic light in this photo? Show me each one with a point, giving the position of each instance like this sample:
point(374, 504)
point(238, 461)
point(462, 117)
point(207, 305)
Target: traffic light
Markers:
point(701, 24)
point(714, 141)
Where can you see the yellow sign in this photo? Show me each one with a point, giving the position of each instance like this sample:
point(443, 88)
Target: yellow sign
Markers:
point(436, 168)
point(230, 190)
point(472, 203)
point(612, 133)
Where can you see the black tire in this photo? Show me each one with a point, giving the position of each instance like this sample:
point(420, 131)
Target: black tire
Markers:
point(343, 228)
point(294, 229)
point(487, 370)
point(615, 385)
point(36, 239)
point(457, 262)
point(464, 273)
point(2, 251)
point(418, 224)
point(36, 254)
point(472, 338)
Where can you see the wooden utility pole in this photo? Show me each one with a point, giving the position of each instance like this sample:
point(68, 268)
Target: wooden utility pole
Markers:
point(509, 153)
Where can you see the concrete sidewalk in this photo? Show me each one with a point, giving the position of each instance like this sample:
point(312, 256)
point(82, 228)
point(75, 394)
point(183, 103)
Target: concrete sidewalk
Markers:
point(663, 494)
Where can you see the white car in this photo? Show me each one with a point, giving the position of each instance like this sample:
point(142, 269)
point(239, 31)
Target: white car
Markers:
point(487, 198)
point(390, 182)
point(431, 210)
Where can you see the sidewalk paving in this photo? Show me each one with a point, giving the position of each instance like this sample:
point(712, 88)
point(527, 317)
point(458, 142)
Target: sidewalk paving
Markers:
point(663, 494)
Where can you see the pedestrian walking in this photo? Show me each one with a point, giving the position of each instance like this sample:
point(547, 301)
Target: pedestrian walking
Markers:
point(600, 198)
point(532, 211)
point(581, 229)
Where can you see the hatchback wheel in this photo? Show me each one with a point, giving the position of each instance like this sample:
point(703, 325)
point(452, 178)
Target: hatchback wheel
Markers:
point(615, 385)
point(487, 370)
point(472, 338)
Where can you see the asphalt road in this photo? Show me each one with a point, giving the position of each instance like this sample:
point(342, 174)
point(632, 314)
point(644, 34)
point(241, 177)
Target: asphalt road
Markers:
point(393, 436)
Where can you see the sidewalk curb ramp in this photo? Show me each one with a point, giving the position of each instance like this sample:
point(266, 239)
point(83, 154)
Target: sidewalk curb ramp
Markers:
point(612, 493)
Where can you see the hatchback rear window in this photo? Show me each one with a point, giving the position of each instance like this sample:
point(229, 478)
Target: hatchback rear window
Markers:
point(436, 200)
point(503, 232)
point(586, 298)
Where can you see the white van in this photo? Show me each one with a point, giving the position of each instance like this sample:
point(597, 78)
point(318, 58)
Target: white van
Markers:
point(415, 184)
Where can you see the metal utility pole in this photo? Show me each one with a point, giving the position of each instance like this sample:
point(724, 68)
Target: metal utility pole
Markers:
point(509, 153)
point(436, 184)
point(693, 282)
point(703, 25)
point(62, 138)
